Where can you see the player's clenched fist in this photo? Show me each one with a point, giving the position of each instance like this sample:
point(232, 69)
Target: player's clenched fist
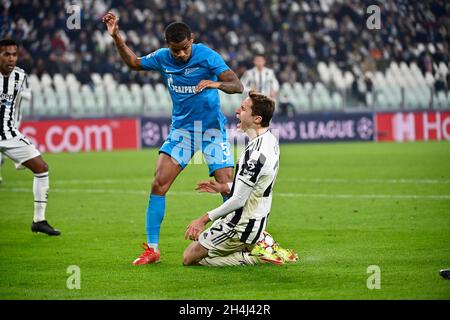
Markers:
point(112, 23)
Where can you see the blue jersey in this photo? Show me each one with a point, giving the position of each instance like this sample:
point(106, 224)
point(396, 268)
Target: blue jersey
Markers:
point(181, 78)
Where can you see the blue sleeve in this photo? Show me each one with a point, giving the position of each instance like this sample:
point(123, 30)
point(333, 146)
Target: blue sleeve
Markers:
point(216, 63)
point(152, 61)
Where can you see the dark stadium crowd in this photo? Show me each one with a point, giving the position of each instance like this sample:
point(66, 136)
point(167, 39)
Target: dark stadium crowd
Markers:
point(294, 35)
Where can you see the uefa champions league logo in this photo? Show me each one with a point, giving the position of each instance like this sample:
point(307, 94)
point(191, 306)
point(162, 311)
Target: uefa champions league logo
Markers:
point(365, 128)
point(150, 133)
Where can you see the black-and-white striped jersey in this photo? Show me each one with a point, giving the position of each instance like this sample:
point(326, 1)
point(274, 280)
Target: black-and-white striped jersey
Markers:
point(12, 87)
point(263, 81)
point(258, 168)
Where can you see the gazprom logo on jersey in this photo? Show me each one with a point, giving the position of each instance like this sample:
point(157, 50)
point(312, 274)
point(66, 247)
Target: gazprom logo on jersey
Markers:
point(179, 89)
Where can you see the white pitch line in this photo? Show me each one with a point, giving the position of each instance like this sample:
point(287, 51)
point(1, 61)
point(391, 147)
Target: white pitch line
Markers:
point(301, 180)
point(370, 181)
point(280, 194)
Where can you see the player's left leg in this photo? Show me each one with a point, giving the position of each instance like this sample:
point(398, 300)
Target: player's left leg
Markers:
point(25, 155)
point(174, 155)
point(217, 151)
point(194, 253)
point(224, 175)
point(220, 245)
point(165, 174)
point(1, 165)
point(40, 190)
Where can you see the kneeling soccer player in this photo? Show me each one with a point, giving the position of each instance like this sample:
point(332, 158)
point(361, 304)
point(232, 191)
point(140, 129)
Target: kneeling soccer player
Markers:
point(237, 235)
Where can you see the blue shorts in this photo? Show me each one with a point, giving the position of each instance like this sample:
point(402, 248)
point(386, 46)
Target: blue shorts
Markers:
point(182, 144)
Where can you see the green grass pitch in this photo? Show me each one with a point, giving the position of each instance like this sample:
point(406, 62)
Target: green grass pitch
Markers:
point(342, 207)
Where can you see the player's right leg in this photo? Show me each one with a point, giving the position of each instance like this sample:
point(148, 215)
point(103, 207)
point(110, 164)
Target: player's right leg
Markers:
point(174, 155)
point(166, 172)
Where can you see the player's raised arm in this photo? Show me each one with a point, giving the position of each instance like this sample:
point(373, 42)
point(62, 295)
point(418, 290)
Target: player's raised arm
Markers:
point(128, 56)
point(228, 82)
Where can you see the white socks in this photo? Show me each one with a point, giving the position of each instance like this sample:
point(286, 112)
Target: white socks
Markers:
point(40, 189)
point(240, 258)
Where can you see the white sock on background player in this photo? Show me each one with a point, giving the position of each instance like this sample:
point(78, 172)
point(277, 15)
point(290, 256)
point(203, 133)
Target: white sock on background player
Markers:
point(40, 190)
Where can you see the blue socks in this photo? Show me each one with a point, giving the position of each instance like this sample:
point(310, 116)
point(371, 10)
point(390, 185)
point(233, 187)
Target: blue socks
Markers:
point(155, 214)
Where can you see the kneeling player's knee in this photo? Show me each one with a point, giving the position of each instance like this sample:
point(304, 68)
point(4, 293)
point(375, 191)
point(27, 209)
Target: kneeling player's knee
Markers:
point(187, 259)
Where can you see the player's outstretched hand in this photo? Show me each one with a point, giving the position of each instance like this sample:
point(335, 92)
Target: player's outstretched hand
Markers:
point(112, 23)
point(212, 186)
point(204, 84)
point(194, 229)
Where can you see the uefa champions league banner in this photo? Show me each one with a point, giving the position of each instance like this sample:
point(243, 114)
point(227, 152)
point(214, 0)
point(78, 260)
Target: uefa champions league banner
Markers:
point(325, 127)
point(82, 134)
point(135, 133)
point(301, 128)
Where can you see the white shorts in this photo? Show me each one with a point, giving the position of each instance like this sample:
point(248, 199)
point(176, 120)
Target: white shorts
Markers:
point(221, 240)
point(19, 150)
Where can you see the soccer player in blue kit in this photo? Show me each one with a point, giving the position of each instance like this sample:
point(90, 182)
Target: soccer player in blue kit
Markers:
point(192, 73)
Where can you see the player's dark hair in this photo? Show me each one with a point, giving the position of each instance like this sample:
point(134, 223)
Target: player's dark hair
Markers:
point(262, 106)
point(177, 32)
point(7, 42)
point(258, 54)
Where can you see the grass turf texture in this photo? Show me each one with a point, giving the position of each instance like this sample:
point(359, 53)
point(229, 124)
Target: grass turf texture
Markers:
point(342, 207)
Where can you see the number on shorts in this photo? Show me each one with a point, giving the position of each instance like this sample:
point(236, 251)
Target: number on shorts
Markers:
point(226, 150)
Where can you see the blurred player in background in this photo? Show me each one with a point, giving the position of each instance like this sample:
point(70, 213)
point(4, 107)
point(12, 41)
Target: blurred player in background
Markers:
point(236, 235)
point(192, 73)
point(25, 94)
point(13, 144)
point(260, 78)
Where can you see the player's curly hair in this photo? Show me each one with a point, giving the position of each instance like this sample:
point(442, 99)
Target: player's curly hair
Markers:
point(8, 42)
point(177, 32)
point(262, 106)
